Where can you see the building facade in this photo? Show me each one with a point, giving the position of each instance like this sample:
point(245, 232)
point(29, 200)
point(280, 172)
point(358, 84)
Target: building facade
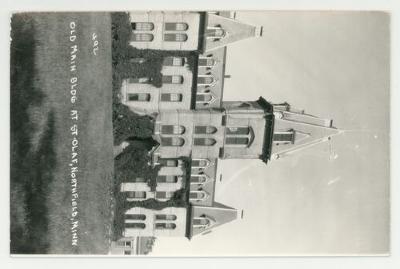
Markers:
point(192, 122)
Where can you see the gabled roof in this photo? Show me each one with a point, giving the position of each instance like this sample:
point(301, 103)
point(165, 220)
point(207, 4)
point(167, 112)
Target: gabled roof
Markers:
point(218, 213)
point(234, 31)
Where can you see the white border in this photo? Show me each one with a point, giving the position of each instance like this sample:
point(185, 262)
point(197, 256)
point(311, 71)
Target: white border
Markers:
point(278, 262)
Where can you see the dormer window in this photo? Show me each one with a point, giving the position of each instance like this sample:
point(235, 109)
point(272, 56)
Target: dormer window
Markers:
point(205, 80)
point(198, 196)
point(200, 163)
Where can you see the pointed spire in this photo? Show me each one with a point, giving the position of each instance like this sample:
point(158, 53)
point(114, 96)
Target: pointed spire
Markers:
point(295, 130)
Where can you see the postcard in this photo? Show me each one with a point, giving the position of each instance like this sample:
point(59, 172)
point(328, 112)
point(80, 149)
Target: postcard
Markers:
point(200, 133)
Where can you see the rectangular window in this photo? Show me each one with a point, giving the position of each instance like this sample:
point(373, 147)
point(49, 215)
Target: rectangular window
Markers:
point(174, 61)
point(171, 97)
point(175, 37)
point(169, 163)
point(172, 79)
point(236, 141)
point(136, 194)
point(135, 225)
point(284, 137)
point(167, 179)
point(139, 97)
point(127, 252)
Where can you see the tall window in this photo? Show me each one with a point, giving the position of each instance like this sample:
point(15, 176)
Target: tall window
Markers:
point(197, 195)
point(165, 226)
point(205, 80)
point(175, 79)
point(172, 129)
point(136, 194)
point(200, 163)
point(135, 216)
point(171, 97)
point(284, 137)
point(135, 225)
point(142, 26)
point(167, 179)
point(206, 62)
point(204, 141)
point(237, 130)
point(236, 141)
point(238, 135)
point(215, 32)
point(200, 221)
point(205, 129)
point(172, 141)
point(175, 37)
point(176, 26)
point(138, 97)
point(165, 217)
point(142, 37)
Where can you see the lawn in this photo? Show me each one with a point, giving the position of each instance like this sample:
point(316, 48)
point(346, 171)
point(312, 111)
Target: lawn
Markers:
point(41, 139)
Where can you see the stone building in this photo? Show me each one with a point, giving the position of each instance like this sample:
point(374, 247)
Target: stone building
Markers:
point(192, 122)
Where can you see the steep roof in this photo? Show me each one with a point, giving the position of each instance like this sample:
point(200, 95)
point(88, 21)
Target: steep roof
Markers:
point(218, 213)
point(234, 31)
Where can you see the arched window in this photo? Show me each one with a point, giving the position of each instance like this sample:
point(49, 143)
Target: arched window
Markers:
point(142, 37)
point(175, 79)
point(165, 226)
point(198, 195)
point(135, 216)
point(198, 179)
point(165, 217)
point(172, 129)
point(215, 32)
point(176, 26)
point(136, 194)
point(201, 163)
point(167, 179)
point(175, 37)
point(138, 97)
point(199, 221)
point(171, 97)
point(205, 80)
point(205, 129)
point(135, 225)
point(172, 141)
point(204, 141)
point(206, 62)
point(142, 26)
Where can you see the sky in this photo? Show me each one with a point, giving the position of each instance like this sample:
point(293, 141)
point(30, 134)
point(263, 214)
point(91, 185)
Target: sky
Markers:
point(332, 198)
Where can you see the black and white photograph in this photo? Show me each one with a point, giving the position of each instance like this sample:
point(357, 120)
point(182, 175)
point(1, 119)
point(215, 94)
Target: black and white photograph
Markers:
point(194, 133)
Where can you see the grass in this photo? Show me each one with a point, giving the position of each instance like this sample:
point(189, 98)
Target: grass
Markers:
point(40, 187)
